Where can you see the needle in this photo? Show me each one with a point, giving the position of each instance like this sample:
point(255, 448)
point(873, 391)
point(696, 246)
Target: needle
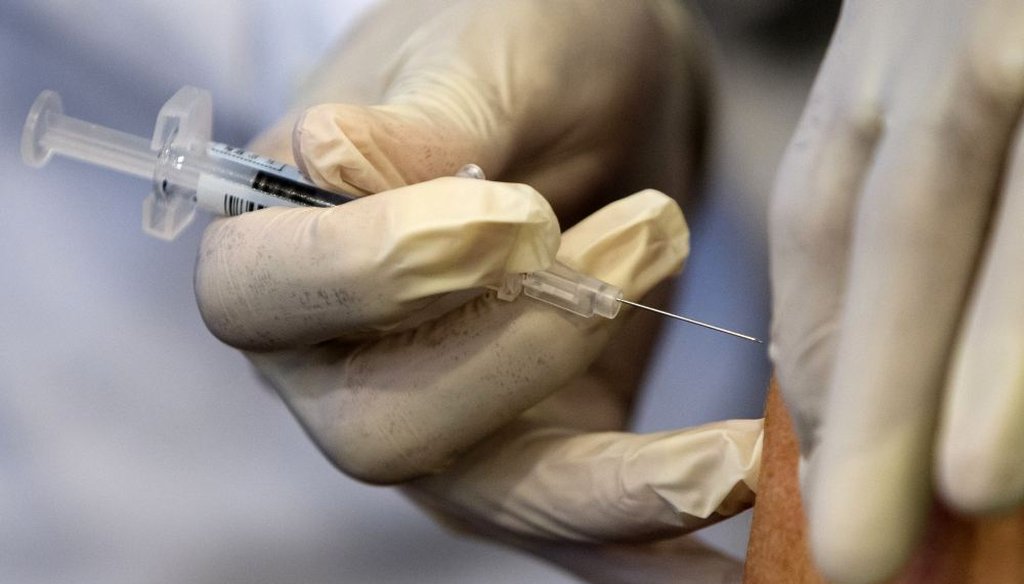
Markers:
point(692, 321)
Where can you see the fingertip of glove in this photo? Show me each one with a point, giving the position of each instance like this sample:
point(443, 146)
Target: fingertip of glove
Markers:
point(370, 149)
point(210, 282)
point(978, 478)
point(633, 243)
point(670, 220)
point(335, 146)
point(297, 136)
point(839, 561)
point(868, 541)
point(539, 236)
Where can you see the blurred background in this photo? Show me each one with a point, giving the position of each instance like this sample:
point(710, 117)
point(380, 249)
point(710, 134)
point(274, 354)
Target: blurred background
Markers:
point(134, 447)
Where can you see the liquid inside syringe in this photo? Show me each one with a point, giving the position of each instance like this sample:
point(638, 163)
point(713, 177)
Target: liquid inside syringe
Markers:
point(191, 172)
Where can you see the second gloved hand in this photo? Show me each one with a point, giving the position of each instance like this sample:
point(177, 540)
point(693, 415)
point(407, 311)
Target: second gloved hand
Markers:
point(897, 243)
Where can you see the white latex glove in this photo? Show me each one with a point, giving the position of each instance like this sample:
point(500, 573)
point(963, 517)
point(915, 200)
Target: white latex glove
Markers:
point(897, 247)
point(310, 293)
point(340, 308)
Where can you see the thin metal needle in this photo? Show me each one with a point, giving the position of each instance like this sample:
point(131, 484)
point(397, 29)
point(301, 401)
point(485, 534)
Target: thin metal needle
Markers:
point(691, 321)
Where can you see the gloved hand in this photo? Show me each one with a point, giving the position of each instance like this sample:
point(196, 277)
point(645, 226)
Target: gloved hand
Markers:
point(897, 233)
point(504, 415)
point(318, 297)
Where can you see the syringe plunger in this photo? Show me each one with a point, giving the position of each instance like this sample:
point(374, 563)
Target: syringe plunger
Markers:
point(48, 131)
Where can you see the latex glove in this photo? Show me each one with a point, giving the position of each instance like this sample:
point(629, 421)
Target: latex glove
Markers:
point(897, 241)
point(485, 82)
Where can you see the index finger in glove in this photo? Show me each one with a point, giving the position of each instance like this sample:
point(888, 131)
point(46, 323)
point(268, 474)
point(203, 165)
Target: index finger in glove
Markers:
point(286, 277)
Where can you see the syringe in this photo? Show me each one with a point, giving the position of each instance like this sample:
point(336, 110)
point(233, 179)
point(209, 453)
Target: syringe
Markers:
point(189, 171)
